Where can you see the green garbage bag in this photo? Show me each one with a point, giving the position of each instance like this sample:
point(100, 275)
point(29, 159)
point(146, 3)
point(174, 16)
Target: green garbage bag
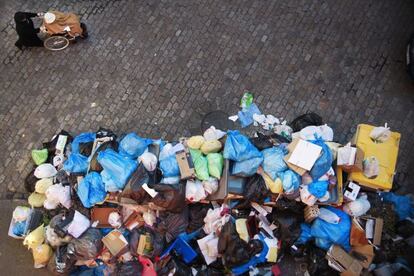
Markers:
point(215, 164)
point(39, 156)
point(200, 164)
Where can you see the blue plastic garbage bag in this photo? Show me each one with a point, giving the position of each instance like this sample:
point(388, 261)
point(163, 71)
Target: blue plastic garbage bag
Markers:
point(247, 167)
point(326, 234)
point(91, 190)
point(19, 228)
point(169, 166)
point(324, 162)
point(76, 163)
point(239, 148)
point(116, 169)
point(246, 115)
point(133, 146)
point(273, 162)
point(403, 205)
point(85, 137)
point(318, 188)
point(290, 181)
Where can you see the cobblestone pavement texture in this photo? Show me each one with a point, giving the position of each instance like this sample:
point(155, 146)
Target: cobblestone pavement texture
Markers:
point(157, 67)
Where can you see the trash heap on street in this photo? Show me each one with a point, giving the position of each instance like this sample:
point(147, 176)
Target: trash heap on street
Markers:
point(219, 203)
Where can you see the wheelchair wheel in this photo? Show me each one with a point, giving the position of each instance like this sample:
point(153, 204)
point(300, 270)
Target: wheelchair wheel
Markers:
point(56, 43)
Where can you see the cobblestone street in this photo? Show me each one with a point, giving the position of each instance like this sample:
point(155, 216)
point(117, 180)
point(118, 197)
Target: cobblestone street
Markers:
point(157, 67)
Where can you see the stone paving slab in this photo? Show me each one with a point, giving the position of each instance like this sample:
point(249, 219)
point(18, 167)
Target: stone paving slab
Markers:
point(157, 67)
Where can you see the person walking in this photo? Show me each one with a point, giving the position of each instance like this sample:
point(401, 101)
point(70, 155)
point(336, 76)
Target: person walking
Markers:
point(26, 31)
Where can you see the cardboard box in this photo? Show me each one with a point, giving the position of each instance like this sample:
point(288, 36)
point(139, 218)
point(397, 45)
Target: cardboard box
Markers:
point(367, 251)
point(350, 159)
point(302, 155)
point(185, 163)
point(115, 242)
point(340, 260)
point(101, 215)
point(134, 220)
point(372, 227)
point(357, 235)
point(351, 191)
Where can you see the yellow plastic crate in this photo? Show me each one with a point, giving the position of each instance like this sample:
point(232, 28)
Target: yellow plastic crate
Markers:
point(386, 153)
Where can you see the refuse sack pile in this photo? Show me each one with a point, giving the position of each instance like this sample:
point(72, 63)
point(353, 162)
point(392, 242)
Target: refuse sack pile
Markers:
point(220, 203)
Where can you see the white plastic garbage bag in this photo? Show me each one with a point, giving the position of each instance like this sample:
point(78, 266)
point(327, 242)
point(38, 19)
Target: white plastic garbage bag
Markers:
point(21, 213)
point(210, 185)
point(194, 191)
point(149, 217)
point(45, 171)
point(380, 134)
point(56, 194)
point(114, 219)
point(371, 167)
point(213, 134)
point(324, 131)
point(215, 219)
point(149, 160)
point(357, 207)
point(79, 224)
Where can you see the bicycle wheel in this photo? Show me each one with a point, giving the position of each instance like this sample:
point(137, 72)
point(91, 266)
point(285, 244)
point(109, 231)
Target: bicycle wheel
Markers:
point(56, 43)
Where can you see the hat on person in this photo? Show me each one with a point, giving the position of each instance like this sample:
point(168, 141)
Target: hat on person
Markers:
point(49, 17)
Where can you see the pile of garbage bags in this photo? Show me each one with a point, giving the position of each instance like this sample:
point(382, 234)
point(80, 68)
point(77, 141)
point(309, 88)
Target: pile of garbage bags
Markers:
point(219, 203)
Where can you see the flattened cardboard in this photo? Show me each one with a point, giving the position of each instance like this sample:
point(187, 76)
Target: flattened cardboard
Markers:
point(115, 242)
point(342, 261)
point(293, 167)
point(185, 163)
point(304, 154)
point(101, 215)
point(222, 190)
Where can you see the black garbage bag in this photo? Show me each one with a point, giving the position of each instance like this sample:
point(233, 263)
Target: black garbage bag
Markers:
point(214, 269)
point(62, 177)
point(233, 249)
point(94, 164)
point(51, 145)
point(170, 197)
point(87, 246)
point(172, 266)
point(131, 268)
point(405, 228)
point(308, 119)
point(133, 189)
point(157, 239)
point(317, 262)
point(262, 141)
point(105, 132)
point(30, 181)
point(288, 226)
point(86, 148)
point(173, 224)
point(60, 263)
point(255, 191)
point(196, 214)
